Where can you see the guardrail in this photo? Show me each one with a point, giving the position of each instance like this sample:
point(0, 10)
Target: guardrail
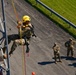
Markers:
point(67, 21)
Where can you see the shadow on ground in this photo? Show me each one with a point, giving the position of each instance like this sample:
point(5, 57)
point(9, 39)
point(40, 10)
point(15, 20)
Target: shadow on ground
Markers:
point(46, 62)
point(73, 64)
point(68, 58)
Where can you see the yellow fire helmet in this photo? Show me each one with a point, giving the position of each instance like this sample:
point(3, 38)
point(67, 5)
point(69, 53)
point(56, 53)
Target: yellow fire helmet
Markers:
point(26, 18)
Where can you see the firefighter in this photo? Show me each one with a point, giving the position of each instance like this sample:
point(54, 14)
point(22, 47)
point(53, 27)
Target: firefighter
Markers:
point(56, 50)
point(25, 31)
point(70, 47)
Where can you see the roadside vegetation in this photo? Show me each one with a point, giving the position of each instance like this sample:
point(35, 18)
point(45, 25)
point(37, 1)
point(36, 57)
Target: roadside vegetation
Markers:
point(65, 8)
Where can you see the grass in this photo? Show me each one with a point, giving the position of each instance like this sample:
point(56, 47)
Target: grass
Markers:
point(65, 8)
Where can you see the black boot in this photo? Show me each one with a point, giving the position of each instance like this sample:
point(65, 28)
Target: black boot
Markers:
point(27, 49)
point(13, 48)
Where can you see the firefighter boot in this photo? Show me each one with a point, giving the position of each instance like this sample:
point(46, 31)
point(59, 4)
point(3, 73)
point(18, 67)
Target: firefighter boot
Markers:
point(27, 49)
point(13, 48)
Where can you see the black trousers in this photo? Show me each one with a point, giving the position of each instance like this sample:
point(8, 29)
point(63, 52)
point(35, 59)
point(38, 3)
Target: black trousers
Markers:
point(14, 37)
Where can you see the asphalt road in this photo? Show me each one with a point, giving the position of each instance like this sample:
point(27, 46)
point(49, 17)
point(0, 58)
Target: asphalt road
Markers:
point(41, 54)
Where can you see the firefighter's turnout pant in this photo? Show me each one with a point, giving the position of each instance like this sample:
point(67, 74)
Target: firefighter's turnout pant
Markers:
point(17, 43)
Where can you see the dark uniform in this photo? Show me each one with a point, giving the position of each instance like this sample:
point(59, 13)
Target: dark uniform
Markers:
point(25, 30)
point(56, 49)
point(25, 34)
point(70, 47)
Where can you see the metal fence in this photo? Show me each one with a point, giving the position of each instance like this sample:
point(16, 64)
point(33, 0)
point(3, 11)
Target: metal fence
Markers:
point(58, 15)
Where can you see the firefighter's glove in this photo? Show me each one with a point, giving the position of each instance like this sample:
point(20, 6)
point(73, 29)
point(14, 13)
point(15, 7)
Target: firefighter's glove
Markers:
point(19, 22)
